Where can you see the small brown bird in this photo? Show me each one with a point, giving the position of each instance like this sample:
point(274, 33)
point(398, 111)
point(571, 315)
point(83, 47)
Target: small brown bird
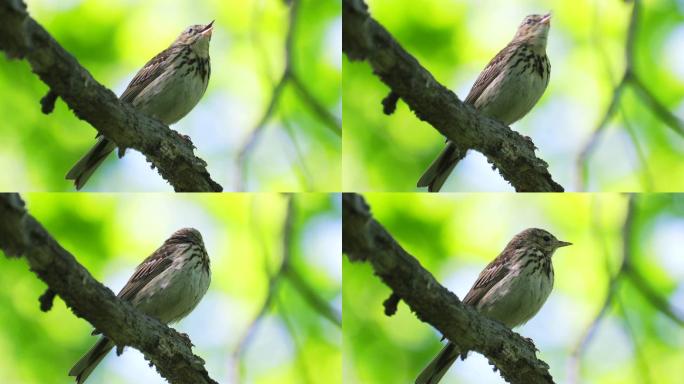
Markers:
point(511, 290)
point(506, 90)
point(167, 88)
point(167, 285)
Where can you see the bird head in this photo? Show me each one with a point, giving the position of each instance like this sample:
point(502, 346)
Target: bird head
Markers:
point(186, 235)
point(197, 37)
point(539, 239)
point(534, 30)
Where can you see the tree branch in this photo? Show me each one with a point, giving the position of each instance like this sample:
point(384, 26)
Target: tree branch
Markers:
point(364, 239)
point(363, 38)
point(22, 235)
point(168, 151)
point(312, 298)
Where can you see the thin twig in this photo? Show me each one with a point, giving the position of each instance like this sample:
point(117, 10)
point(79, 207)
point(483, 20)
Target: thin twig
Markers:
point(303, 369)
point(257, 42)
point(643, 370)
point(273, 282)
point(653, 297)
point(647, 179)
point(307, 97)
point(613, 284)
point(657, 107)
point(590, 145)
point(312, 298)
point(256, 132)
point(305, 178)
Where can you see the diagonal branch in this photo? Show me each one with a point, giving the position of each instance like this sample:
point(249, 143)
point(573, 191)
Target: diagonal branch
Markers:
point(364, 239)
point(165, 149)
point(363, 38)
point(310, 295)
point(22, 235)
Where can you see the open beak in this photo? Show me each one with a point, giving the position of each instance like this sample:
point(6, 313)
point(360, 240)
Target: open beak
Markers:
point(546, 19)
point(563, 243)
point(208, 29)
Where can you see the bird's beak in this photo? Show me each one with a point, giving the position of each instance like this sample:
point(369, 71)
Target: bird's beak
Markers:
point(563, 244)
point(208, 29)
point(546, 19)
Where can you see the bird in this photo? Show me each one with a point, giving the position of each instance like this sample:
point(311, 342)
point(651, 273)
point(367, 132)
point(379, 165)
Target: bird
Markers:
point(511, 289)
point(167, 88)
point(167, 285)
point(506, 90)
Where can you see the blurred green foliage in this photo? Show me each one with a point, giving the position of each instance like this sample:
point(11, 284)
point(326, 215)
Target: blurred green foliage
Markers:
point(113, 40)
point(455, 236)
point(243, 234)
point(454, 40)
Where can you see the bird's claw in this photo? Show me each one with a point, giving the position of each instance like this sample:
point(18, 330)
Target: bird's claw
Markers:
point(186, 340)
point(188, 140)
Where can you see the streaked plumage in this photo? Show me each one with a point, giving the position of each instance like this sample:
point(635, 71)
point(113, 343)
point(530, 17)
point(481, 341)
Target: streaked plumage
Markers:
point(511, 289)
point(167, 88)
point(167, 285)
point(506, 90)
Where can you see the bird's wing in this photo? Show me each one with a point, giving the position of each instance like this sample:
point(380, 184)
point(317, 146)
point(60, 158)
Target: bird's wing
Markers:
point(147, 270)
point(488, 277)
point(150, 71)
point(491, 71)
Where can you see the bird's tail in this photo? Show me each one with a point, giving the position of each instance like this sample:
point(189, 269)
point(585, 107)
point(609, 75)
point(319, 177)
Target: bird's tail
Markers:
point(84, 168)
point(84, 367)
point(441, 168)
point(439, 365)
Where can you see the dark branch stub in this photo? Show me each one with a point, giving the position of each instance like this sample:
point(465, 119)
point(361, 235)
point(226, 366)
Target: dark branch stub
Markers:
point(47, 103)
point(389, 103)
point(391, 304)
point(46, 300)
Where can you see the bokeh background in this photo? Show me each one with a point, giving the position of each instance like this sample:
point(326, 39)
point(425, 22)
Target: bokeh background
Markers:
point(298, 151)
point(455, 39)
point(243, 233)
point(455, 236)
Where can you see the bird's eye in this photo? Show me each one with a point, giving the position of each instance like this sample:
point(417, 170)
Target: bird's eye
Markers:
point(529, 21)
point(547, 238)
